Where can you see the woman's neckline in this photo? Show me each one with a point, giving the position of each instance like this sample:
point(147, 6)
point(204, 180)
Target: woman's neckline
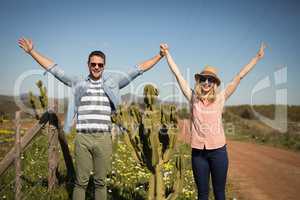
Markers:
point(206, 103)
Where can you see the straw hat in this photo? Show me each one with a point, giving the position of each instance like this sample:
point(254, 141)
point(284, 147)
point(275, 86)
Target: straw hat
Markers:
point(209, 71)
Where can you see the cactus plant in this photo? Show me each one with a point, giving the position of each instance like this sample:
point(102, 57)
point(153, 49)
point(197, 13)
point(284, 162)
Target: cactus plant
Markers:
point(152, 135)
point(39, 105)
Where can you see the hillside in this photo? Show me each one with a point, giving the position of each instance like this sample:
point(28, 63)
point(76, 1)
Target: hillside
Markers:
point(7, 106)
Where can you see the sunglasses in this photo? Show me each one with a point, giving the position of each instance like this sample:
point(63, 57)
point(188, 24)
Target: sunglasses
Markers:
point(101, 65)
point(209, 79)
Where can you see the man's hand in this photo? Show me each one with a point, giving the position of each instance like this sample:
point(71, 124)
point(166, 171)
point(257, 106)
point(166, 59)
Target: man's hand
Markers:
point(164, 49)
point(261, 52)
point(26, 44)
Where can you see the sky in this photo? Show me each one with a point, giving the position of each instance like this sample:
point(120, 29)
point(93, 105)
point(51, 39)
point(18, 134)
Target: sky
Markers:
point(222, 33)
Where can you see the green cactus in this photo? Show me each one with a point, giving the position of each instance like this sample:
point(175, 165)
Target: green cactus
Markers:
point(150, 96)
point(152, 135)
point(39, 105)
point(43, 94)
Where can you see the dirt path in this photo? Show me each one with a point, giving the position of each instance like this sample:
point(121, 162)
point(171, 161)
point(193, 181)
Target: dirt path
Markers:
point(259, 172)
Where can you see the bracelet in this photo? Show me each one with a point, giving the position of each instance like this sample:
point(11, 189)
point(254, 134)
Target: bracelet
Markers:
point(257, 56)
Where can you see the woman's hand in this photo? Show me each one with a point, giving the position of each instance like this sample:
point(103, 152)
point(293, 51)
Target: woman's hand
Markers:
point(26, 44)
point(261, 52)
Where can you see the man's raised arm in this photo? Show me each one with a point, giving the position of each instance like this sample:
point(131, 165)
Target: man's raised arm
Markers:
point(27, 46)
point(143, 67)
point(46, 63)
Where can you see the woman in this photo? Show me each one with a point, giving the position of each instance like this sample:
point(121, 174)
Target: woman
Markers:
point(209, 154)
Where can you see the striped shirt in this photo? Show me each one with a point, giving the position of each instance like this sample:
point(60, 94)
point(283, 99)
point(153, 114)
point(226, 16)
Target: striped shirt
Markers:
point(94, 111)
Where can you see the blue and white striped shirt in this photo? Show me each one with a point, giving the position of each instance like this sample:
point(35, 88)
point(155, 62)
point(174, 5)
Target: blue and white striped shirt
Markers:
point(94, 111)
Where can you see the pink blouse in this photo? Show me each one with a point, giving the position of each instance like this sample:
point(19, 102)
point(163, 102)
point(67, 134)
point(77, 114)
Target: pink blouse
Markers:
point(207, 127)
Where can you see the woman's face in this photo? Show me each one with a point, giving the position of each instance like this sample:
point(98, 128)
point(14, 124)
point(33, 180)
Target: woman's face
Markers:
point(207, 83)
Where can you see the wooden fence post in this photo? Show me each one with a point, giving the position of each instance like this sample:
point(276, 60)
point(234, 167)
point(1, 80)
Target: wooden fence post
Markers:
point(66, 153)
point(64, 146)
point(53, 153)
point(18, 185)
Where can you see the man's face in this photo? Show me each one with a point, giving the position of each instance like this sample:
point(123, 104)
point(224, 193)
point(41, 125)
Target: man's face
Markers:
point(96, 66)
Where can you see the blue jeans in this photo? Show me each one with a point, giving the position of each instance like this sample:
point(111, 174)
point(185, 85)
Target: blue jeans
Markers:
point(210, 162)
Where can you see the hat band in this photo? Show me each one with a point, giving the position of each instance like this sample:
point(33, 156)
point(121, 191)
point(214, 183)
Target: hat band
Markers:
point(208, 73)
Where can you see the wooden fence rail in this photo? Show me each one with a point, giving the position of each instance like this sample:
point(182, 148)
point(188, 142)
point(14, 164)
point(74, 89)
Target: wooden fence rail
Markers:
point(25, 140)
point(56, 136)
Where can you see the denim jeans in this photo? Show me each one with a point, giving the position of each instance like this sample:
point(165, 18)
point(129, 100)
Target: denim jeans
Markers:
point(210, 162)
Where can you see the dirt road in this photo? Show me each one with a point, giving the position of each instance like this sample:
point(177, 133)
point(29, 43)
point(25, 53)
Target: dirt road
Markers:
point(259, 172)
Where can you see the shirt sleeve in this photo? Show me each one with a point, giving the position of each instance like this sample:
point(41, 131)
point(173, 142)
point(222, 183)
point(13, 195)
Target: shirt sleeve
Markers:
point(59, 74)
point(126, 77)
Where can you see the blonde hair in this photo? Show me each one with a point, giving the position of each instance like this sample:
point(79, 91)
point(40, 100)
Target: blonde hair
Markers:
point(211, 96)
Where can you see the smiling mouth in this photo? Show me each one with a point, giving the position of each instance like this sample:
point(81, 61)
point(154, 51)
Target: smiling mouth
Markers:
point(206, 87)
point(96, 71)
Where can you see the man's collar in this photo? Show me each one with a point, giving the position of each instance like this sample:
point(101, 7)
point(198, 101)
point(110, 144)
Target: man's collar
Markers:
point(88, 78)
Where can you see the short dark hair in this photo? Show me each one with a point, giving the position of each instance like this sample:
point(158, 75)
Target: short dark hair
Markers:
point(97, 53)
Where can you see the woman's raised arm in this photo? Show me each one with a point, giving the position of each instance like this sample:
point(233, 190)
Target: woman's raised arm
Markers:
point(184, 86)
point(230, 88)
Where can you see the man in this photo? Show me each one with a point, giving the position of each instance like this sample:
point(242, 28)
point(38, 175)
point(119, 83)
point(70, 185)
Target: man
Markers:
point(92, 102)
